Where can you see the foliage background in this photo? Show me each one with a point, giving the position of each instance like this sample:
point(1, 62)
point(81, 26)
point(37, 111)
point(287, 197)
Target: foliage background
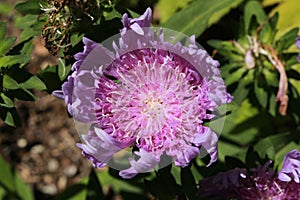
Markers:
point(255, 131)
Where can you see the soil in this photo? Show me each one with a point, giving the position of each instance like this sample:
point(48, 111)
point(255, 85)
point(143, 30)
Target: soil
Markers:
point(43, 150)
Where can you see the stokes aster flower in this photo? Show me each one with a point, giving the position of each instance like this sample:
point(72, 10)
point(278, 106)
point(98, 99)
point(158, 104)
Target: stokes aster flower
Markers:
point(258, 183)
point(147, 93)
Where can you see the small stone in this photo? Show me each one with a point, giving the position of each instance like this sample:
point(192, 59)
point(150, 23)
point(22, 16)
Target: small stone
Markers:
point(22, 143)
point(70, 170)
point(49, 189)
point(53, 165)
point(52, 142)
point(48, 179)
point(37, 149)
point(62, 182)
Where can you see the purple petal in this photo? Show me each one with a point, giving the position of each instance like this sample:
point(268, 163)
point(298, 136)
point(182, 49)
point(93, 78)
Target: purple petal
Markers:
point(58, 94)
point(136, 24)
point(185, 155)
point(146, 163)
point(298, 46)
point(209, 141)
point(89, 46)
point(98, 147)
point(298, 42)
point(290, 167)
point(137, 28)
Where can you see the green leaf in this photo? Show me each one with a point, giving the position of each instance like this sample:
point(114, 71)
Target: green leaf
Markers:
point(30, 25)
point(29, 33)
point(26, 48)
point(261, 95)
point(271, 2)
point(274, 21)
point(188, 183)
point(6, 175)
point(112, 13)
point(219, 44)
point(199, 15)
point(254, 8)
point(132, 13)
point(107, 180)
point(30, 96)
point(272, 105)
point(228, 149)
point(94, 188)
point(29, 7)
point(23, 190)
point(10, 116)
point(289, 14)
point(50, 77)
point(216, 43)
point(3, 193)
point(12, 183)
point(269, 146)
point(7, 61)
point(271, 77)
point(6, 44)
point(2, 30)
point(292, 62)
point(235, 76)
point(7, 101)
point(167, 8)
point(241, 127)
point(9, 120)
point(10, 83)
point(33, 83)
point(75, 39)
point(287, 40)
point(243, 87)
point(74, 192)
point(240, 93)
point(26, 21)
point(21, 94)
point(170, 189)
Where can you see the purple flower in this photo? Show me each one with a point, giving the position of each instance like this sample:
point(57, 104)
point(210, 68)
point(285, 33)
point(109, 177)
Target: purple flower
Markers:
point(221, 185)
point(146, 93)
point(257, 183)
point(260, 183)
point(298, 46)
point(290, 167)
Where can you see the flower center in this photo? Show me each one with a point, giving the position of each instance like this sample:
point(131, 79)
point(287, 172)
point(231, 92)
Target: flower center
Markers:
point(152, 116)
point(149, 98)
point(153, 101)
point(153, 107)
